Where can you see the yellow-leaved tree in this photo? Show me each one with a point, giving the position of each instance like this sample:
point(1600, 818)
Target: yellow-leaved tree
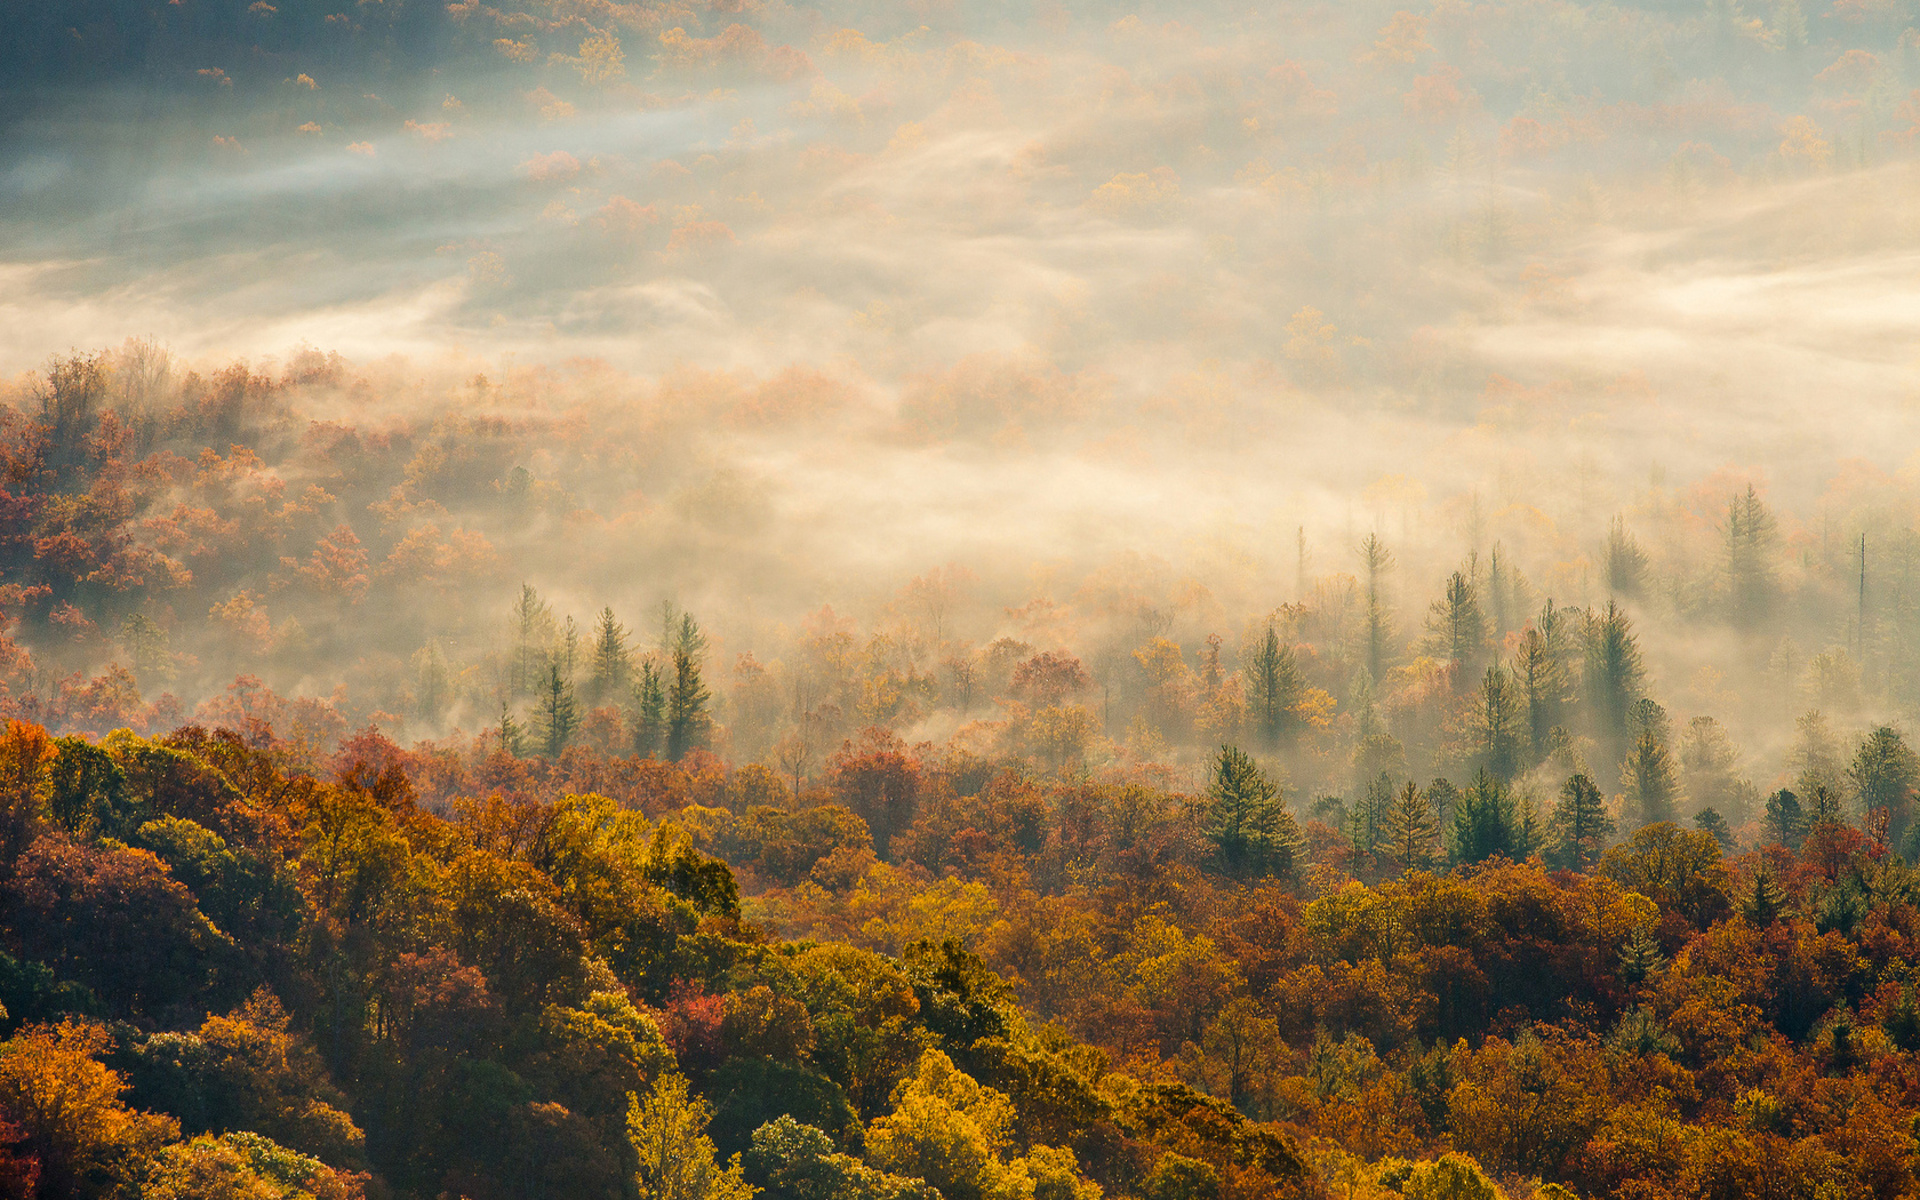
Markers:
point(954, 1132)
point(677, 1160)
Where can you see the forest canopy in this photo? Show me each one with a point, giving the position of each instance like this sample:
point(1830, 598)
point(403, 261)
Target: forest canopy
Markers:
point(957, 601)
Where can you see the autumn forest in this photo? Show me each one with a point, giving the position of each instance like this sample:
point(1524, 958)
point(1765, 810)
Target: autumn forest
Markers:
point(958, 601)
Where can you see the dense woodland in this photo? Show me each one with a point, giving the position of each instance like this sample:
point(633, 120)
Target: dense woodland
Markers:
point(1332, 908)
point(1118, 642)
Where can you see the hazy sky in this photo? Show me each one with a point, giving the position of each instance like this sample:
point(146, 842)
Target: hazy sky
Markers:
point(1029, 291)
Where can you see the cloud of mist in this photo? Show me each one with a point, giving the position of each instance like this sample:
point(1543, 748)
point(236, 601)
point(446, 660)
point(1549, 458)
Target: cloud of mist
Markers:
point(857, 293)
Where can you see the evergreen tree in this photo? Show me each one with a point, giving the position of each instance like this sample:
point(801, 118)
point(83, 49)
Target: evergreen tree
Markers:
point(1824, 807)
point(1366, 714)
point(1709, 820)
point(1456, 628)
point(1614, 677)
point(1647, 776)
point(1764, 901)
point(1485, 823)
point(1273, 688)
point(1885, 773)
point(1412, 833)
point(1785, 821)
point(512, 740)
point(1251, 830)
point(1500, 724)
point(1626, 562)
point(1750, 533)
point(559, 713)
point(1640, 958)
point(687, 719)
point(570, 648)
point(650, 712)
point(1557, 631)
point(1580, 826)
point(612, 666)
point(1378, 632)
point(1541, 680)
point(1369, 823)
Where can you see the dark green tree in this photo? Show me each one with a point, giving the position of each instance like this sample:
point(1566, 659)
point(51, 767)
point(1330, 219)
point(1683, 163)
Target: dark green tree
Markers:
point(1369, 823)
point(1456, 628)
point(1486, 822)
point(1273, 688)
point(688, 724)
point(612, 665)
point(1445, 799)
point(559, 712)
point(512, 737)
point(1250, 828)
point(649, 711)
point(1506, 593)
point(1786, 823)
point(1614, 677)
point(1647, 776)
point(1540, 678)
point(1709, 820)
point(1579, 827)
point(1824, 807)
point(1500, 724)
point(1412, 833)
point(87, 792)
point(1763, 902)
point(1885, 773)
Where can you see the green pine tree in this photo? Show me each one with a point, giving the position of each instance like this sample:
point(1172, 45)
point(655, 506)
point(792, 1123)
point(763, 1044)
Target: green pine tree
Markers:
point(1540, 678)
point(1579, 827)
point(687, 721)
point(1378, 632)
point(650, 711)
point(1785, 821)
point(1250, 828)
point(559, 713)
point(1456, 628)
point(1485, 823)
point(1824, 807)
point(1648, 776)
point(533, 636)
point(1641, 958)
point(1709, 820)
point(512, 740)
point(1499, 721)
point(1614, 677)
point(1369, 823)
point(1750, 535)
point(612, 665)
point(1764, 902)
point(1273, 688)
point(1412, 833)
point(1626, 562)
